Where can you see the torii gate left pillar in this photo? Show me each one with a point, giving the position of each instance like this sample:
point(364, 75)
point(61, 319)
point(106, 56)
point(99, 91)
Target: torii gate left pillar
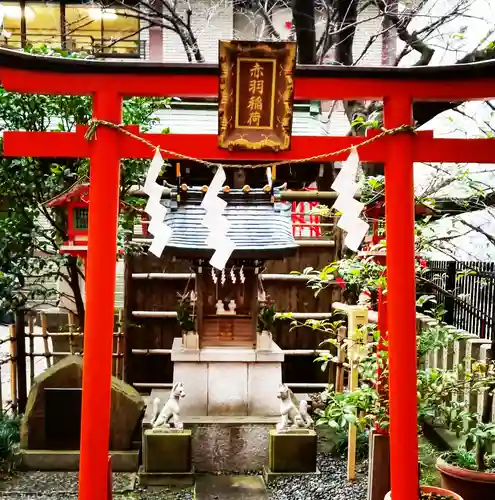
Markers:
point(100, 293)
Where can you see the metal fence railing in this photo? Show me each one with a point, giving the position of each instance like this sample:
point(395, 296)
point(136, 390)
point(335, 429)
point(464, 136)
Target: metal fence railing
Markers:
point(467, 291)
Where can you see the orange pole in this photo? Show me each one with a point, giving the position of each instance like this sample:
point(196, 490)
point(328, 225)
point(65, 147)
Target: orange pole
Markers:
point(381, 349)
point(401, 281)
point(100, 293)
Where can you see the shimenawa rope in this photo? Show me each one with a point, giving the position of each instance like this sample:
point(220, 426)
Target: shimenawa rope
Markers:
point(94, 124)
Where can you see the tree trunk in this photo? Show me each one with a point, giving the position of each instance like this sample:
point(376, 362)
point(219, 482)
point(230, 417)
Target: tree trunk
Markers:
point(303, 12)
point(74, 274)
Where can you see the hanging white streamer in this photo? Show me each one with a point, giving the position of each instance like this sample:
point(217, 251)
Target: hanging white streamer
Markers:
point(345, 184)
point(242, 278)
point(160, 231)
point(217, 223)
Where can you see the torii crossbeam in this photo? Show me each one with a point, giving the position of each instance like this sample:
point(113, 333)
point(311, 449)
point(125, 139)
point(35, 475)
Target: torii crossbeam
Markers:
point(109, 82)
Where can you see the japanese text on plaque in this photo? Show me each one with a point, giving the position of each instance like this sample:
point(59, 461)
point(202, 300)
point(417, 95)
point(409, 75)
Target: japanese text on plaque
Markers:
point(255, 104)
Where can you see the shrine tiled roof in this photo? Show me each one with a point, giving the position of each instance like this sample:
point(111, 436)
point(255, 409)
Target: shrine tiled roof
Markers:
point(259, 228)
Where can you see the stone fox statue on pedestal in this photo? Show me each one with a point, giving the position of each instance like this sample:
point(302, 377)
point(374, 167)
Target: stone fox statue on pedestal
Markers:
point(290, 416)
point(170, 411)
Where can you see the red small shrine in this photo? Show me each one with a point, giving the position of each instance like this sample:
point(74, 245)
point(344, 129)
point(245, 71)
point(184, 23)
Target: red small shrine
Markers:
point(76, 202)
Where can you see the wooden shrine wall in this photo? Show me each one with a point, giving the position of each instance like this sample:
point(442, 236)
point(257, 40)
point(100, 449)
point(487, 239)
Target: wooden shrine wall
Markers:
point(161, 295)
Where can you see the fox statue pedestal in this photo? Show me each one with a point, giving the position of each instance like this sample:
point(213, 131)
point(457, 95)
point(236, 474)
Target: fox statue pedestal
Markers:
point(167, 449)
point(166, 458)
point(292, 451)
point(292, 445)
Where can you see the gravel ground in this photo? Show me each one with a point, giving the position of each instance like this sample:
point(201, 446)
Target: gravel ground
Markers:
point(330, 483)
point(63, 486)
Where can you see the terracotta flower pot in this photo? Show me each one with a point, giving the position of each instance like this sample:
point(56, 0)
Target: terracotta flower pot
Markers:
point(470, 484)
point(433, 489)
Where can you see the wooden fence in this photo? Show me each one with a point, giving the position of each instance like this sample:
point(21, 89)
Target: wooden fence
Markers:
point(41, 344)
point(151, 300)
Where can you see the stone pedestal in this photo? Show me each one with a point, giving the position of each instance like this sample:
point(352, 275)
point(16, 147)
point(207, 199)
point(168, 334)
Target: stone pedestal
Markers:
point(167, 450)
point(223, 381)
point(166, 458)
point(292, 451)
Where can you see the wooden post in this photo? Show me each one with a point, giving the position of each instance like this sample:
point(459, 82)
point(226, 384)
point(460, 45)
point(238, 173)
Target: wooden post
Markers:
point(119, 362)
point(100, 297)
point(31, 348)
point(110, 481)
point(128, 306)
point(44, 332)
point(70, 317)
point(381, 379)
point(339, 377)
point(20, 342)
point(401, 291)
point(13, 369)
point(356, 316)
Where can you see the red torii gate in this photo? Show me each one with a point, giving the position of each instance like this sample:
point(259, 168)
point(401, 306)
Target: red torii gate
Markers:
point(108, 82)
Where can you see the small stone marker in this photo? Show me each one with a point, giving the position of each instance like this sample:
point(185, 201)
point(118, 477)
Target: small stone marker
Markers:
point(292, 451)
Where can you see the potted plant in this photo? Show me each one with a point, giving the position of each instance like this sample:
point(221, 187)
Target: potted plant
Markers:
point(471, 471)
point(266, 321)
point(185, 317)
point(433, 493)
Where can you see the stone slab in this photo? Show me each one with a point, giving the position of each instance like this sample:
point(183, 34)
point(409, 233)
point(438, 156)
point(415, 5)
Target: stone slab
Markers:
point(269, 475)
point(167, 452)
point(263, 382)
point(230, 488)
point(227, 389)
point(293, 451)
point(49, 460)
point(226, 355)
point(180, 354)
point(229, 444)
point(275, 355)
point(176, 479)
point(194, 376)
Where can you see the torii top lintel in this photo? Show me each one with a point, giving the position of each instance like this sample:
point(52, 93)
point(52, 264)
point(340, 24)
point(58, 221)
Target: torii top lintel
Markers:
point(22, 72)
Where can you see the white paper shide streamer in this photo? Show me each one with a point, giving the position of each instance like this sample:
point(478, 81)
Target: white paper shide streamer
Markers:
point(345, 184)
point(155, 209)
point(217, 223)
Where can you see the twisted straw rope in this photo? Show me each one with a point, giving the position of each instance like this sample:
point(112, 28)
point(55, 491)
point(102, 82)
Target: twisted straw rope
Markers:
point(94, 124)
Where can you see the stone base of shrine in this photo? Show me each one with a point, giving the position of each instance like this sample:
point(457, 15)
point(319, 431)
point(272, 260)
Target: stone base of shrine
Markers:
point(222, 381)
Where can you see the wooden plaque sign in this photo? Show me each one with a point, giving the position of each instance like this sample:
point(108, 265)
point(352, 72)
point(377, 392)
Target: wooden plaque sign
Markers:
point(256, 95)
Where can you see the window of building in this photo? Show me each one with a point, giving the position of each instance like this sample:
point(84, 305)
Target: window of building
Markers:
point(76, 27)
point(12, 24)
point(43, 24)
point(80, 219)
point(101, 31)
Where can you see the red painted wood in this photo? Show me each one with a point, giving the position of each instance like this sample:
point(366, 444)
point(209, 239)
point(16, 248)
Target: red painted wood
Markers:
point(73, 145)
point(381, 350)
point(100, 296)
point(401, 287)
point(184, 85)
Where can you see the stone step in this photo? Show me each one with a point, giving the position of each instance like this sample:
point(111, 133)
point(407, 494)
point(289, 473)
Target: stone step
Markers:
point(210, 487)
